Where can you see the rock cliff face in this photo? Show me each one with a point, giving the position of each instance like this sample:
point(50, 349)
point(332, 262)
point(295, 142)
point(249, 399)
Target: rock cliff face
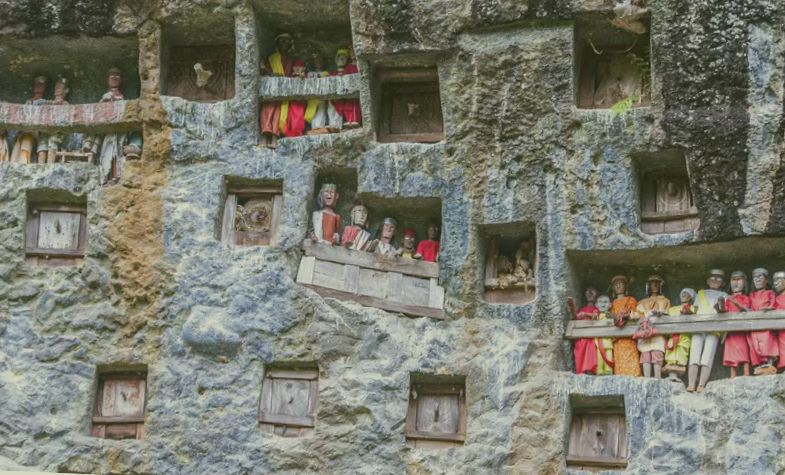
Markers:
point(157, 287)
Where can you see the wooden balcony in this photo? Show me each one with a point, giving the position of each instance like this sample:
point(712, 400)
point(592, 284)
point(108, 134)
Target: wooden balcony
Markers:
point(118, 116)
point(667, 325)
point(390, 283)
point(273, 88)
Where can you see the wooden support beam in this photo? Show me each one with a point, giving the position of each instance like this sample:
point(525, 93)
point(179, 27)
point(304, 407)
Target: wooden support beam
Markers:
point(369, 260)
point(723, 322)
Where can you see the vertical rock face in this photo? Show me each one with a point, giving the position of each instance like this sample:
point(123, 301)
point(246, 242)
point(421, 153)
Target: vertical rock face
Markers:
point(158, 288)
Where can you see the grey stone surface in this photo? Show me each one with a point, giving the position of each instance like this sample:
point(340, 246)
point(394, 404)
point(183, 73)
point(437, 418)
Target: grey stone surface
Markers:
point(157, 287)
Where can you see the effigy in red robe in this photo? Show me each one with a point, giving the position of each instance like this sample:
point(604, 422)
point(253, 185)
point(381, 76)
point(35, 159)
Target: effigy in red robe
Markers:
point(428, 249)
point(779, 304)
point(348, 108)
point(276, 64)
point(763, 344)
point(737, 350)
point(584, 351)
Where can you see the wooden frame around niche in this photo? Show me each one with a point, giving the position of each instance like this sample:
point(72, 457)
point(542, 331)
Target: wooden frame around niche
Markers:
point(120, 405)
point(55, 233)
point(294, 416)
point(271, 194)
point(661, 213)
point(428, 394)
point(598, 436)
point(421, 87)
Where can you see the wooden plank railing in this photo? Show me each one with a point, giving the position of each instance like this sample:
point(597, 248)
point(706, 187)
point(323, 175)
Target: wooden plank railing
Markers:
point(721, 322)
point(118, 116)
point(272, 88)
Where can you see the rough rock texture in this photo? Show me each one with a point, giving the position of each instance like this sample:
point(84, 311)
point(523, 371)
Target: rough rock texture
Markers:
point(158, 288)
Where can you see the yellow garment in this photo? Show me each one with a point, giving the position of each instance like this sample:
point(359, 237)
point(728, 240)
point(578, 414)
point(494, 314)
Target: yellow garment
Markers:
point(679, 355)
point(607, 344)
point(705, 309)
point(313, 104)
point(276, 64)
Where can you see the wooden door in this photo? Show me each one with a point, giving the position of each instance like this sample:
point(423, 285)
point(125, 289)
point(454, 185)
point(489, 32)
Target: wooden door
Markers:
point(119, 408)
point(288, 405)
point(598, 439)
point(58, 230)
point(438, 414)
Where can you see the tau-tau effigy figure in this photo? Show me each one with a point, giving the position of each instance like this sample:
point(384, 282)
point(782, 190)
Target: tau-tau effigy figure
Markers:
point(111, 151)
point(737, 350)
point(274, 114)
point(677, 346)
point(625, 351)
point(355, 236)
point(604, 345)
point(294, 125)
point(409, 241)
point(321, 114)
point(4, 154)
point(704, 345)
point(326, 222)
point(428, 249)
point(763, 344)
point(779, 304)
point(25, 144)
point(349, 109)
point(651, 345)
point(585, 351)
point(384, 246)
point(50, 144)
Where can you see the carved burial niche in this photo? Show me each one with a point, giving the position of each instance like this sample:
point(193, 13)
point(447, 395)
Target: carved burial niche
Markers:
point(289, 399)
point(598, 433)
point(665, 196)
point(510, 263)
point(411, 108)
point(252, 213)
point(119, 407)
point(56, 227)
point(436, 417)
point(198, 58)
point(612, 63)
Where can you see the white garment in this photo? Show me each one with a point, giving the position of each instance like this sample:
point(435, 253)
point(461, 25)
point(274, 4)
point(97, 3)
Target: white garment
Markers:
point(326, 115)
point(703, 346)
point(386, 249)
point(111, 151)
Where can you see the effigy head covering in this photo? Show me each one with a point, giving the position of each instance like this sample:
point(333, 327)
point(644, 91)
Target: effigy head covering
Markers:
point(390, 221)
point(760, 271)
point(620, 277)
point(114, 71)
point(283, 36)
point(717, 272)
point(40, 79)
point(409, 232)
point(328, 187)
point(342, 52)
point(693, 295)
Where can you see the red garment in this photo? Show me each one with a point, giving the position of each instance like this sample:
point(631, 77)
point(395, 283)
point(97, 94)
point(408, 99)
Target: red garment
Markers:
point(585, 352)
point(331, 225)
point(429, 249)
point(270, 115)
point(779, 304)
point(736, 350)
point(763, 344)
point(349, 109)
point(295, 120)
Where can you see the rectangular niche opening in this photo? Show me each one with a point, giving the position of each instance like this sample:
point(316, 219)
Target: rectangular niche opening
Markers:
point(666, 204)
point(683, 266)
point(410, 109)
point(120, 402)
point(317, 28)
point(510, 262)
point(252, 212)
point(598, 433)
point(198, 58)
point(436, 415)
point(83, 61)
point(611, 64)
point(56, 228)
point(289, 399)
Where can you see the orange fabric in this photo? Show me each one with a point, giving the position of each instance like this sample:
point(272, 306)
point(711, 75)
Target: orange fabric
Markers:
point(625, 350)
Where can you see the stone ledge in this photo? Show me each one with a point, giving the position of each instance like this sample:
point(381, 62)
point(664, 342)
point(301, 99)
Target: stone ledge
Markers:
point(115, 116)
point(272, 88)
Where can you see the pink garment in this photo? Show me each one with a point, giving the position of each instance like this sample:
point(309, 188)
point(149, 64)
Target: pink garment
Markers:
point(585, 352)
point(429, 249)
point(736, 350)
point(763, 344)
point(779, 304)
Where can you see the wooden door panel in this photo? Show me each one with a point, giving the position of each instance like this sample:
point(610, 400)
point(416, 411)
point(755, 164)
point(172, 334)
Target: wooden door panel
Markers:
point(123, 397)
point(58, 230)
point(438, 413)
point(290, 397)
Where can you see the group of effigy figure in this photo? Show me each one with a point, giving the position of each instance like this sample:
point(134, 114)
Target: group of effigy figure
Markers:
point(39, 147)
point(292, 118)
point(326, 229)
point(650, 353)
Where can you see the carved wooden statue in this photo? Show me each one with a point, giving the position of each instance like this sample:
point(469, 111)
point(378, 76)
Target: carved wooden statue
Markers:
point(349, 109)
point(4, 153)
point(737, 350)
point(111, 148)
point(625, 351)
point(355, 236)
point(326, 222)
point(653, 348)
point(779, 304)
point(677, 346)
point(585, 351)
point(274, 114)
point(704, 345)
point(384, 246)
point(428, 249)
point(321, 114)
point(25, 144)
point(763, 344)
point(409, 240)
point(604, 345)
point(621, 79)
point(50, 144)
point(294, 126)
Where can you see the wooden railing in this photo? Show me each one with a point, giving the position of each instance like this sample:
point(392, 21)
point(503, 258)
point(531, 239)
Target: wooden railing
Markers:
point(273, 88)
point(391, 283)
point(667, 325)
point(118, 116)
